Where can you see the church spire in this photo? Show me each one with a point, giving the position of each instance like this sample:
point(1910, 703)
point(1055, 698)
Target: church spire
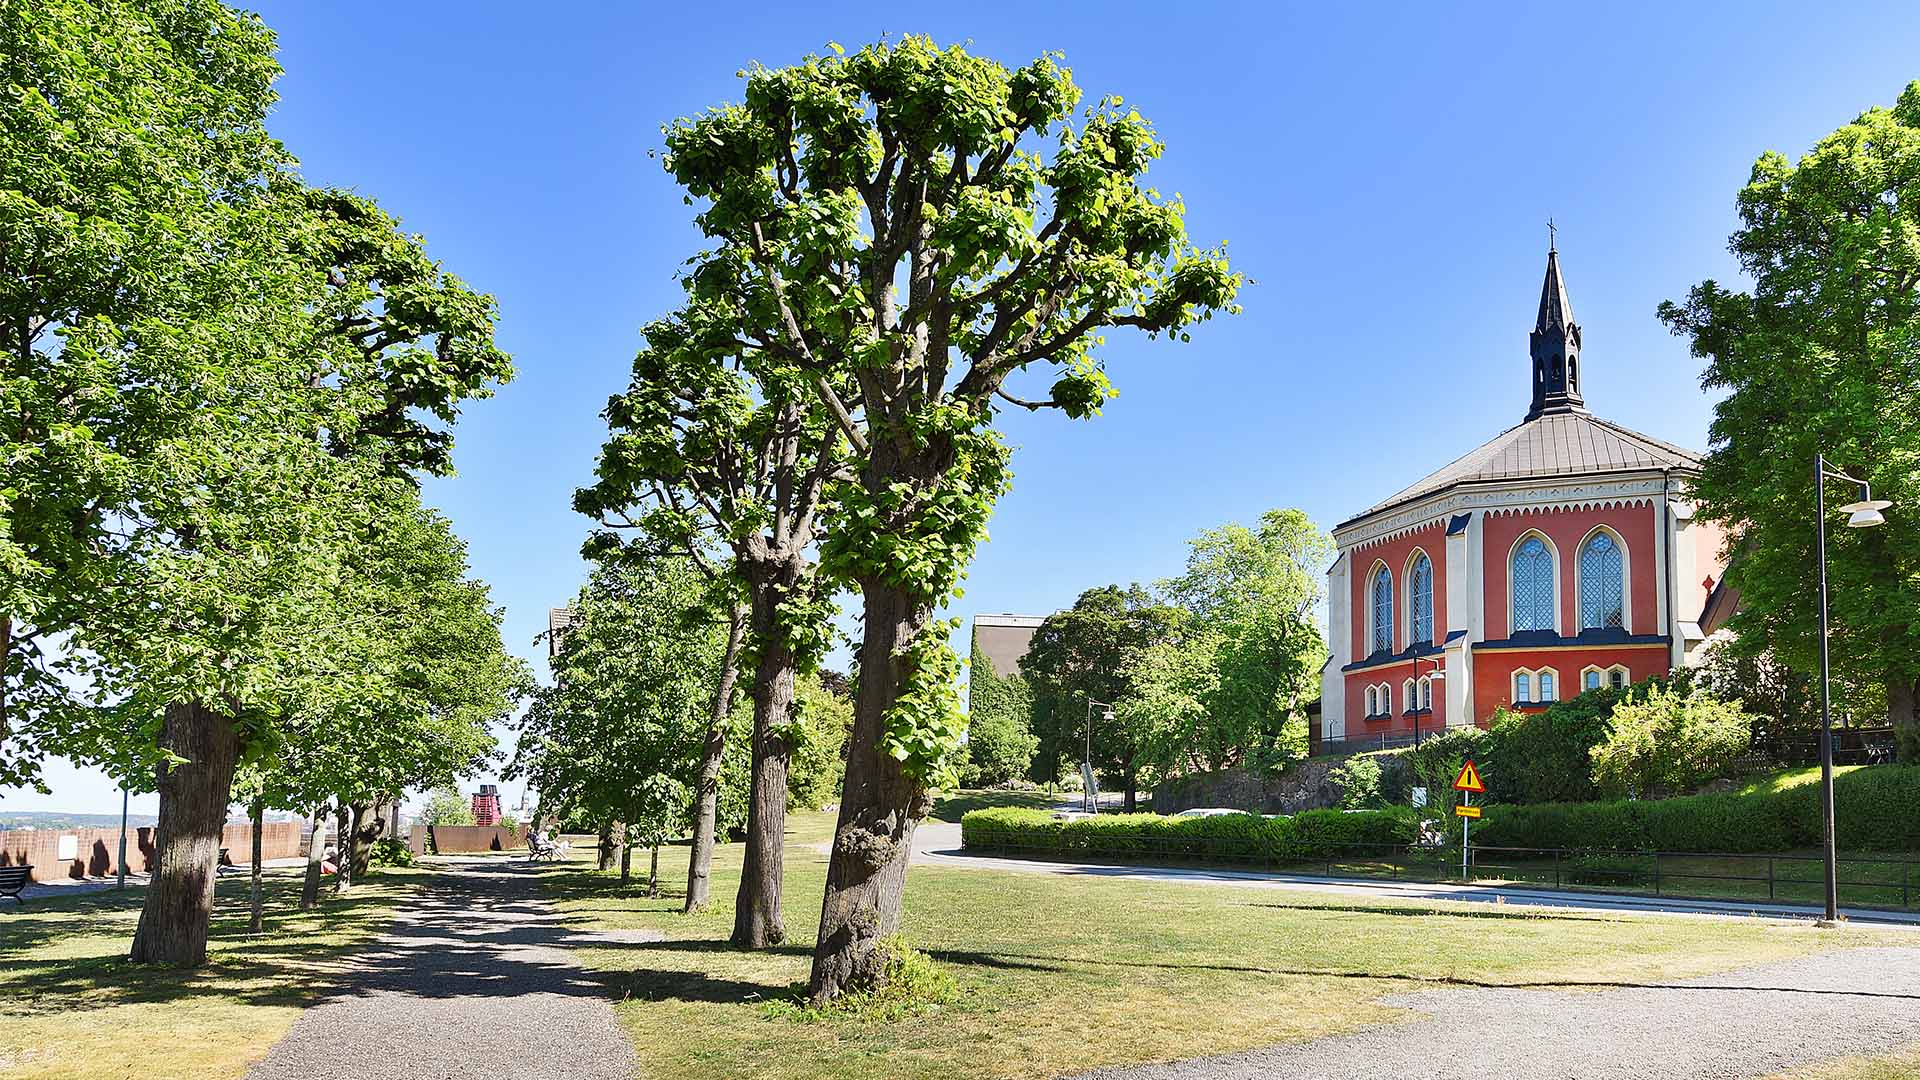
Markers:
point(1555, 347)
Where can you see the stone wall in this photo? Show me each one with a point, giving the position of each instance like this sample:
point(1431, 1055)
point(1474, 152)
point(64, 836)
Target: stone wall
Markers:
point(1301, 786)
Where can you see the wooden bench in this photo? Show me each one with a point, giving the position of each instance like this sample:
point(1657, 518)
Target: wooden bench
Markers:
point(13, 879)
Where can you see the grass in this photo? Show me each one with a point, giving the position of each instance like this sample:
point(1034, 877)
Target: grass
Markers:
point(1059, 973)
point(1773, 783)
point(71, 1007)
point(1900, 1065)
point(951, 808)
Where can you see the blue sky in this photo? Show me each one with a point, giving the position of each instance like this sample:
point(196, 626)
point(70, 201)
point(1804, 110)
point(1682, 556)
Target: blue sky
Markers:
point(1383, 177)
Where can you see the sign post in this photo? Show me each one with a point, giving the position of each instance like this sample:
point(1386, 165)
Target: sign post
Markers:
point(1466, 784)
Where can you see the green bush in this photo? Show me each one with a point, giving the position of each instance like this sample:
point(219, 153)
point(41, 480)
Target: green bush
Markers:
point(1312, 834)
point(1358, 779)
point(389, 852)
point(1669, 742)
point(1876, 809)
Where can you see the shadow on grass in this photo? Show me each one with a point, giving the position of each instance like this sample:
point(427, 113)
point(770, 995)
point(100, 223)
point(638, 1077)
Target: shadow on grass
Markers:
point(1539, 915)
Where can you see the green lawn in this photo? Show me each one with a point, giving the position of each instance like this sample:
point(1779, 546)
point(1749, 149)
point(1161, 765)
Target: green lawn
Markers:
point(1060, 973)
point(71, 1007)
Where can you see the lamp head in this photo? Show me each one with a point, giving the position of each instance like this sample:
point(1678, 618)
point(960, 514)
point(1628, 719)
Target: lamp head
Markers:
point(1106, 713)
point(1864, 512)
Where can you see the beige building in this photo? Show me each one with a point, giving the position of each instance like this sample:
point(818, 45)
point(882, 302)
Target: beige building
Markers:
point(1002, 640)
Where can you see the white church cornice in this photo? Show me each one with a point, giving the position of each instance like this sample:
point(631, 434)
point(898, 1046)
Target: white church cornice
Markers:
point(1513, 497)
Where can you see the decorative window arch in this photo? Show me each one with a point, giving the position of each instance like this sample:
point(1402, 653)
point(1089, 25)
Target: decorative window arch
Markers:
point(1532, 591)
point(1594, 677)
point(1373, 701)
point(1380, 609)
point(1426, 693)
point(1419, 599)
point(1602, 580)
point(1536, 686)
point(1522, 687)
point(1410, 694)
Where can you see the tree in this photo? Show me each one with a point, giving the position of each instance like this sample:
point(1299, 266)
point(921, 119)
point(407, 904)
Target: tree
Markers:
point(926, 224)
point(626, 717)
point(1000, 739)
point(1090, 653)
point(821, 722)
point(446, 806)
point(1669, 742)
point(725, 444)
point(1822, 355)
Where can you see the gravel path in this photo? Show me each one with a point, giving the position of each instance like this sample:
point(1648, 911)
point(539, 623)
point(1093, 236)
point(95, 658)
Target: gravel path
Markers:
point(1748, 1023)
point(473, 983)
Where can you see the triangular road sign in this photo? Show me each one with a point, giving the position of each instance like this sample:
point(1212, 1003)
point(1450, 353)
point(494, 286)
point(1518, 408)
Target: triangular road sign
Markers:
point(1469, 779)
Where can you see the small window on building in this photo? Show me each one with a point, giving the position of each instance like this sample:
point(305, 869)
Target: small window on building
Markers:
point(1593, 680)
point(1426, 694)
point(1409, 695)
point(1617, 678)
point(1522, 687)
point(1546, 686)
point(1373, 701)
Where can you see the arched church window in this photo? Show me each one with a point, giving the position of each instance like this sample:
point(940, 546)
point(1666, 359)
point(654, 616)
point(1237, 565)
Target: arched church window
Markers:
point(1532, 585)
point(1382, 611)
point(1522, 687)
point(1420, 591)
point(1602, 593)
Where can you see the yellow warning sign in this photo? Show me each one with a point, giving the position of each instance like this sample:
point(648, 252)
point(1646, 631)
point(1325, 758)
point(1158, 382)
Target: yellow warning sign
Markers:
point(1463, 810)
point(1469, 779)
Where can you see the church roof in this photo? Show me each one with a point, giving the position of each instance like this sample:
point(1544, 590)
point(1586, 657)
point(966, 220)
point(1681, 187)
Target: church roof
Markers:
point(1557, 444)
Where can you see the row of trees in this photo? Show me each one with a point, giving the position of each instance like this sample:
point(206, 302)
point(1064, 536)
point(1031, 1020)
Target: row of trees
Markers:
point(1205, 671)
point(218, 389)
point(891, 236)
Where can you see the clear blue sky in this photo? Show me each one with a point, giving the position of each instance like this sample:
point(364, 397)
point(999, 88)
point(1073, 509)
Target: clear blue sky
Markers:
point(1384, 178)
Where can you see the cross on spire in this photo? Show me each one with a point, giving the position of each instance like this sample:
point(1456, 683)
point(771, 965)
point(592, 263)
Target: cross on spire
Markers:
point(1550, 236)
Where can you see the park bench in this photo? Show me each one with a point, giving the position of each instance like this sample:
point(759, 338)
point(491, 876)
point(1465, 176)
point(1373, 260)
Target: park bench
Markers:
point(224, 863)
point(13, 879)
point(536, 851)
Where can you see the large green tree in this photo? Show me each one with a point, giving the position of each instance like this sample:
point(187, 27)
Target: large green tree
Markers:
point(721, 442)
point(927, 224)
point(1089, 653)
point(1822, 354)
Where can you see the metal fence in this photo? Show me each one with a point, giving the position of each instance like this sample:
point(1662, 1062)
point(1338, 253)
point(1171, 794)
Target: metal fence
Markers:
point(1890, 881)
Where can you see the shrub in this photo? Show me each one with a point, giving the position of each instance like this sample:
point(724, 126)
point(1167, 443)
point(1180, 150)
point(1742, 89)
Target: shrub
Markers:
point(1546, 756)
point(389, 852)
point(1000, 739)
point(1312, 834)
point(1437, 761)
point(1669, 742)
point(1876, 809)
point(1359, 782)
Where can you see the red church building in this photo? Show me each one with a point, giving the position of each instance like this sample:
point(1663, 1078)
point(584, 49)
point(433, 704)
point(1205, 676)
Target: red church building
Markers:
point(1563, 554)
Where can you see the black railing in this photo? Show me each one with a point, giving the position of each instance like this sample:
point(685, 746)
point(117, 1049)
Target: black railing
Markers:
point(1876, 881)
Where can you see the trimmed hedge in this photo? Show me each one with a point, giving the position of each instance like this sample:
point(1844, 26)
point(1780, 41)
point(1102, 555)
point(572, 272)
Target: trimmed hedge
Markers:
point(1876, 809)
point(1312, 834)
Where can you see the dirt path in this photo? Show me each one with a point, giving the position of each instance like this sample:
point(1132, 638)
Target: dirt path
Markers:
point(1749, 1023)
point(474, 981)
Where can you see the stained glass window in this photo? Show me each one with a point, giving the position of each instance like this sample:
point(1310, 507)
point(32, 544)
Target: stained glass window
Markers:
point(1383, 611)
point(1533, 585)
point(1601, 582)
point(1420, 588)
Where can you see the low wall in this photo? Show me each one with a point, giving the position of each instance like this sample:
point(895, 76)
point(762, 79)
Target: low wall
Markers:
point(1301, 786)
point(458, 839)
point(94, 851)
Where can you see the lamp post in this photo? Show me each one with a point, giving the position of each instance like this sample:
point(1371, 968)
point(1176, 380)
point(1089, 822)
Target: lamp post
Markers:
point(1862, 513)
point(1437, 674)
point(1089, 799)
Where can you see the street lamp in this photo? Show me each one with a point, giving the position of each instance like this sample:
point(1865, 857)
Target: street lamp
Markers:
point(1436, 675)
point(1862, 513)
point(1088, 797)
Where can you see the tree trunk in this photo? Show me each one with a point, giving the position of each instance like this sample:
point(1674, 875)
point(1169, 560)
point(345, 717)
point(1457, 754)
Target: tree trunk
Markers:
point(342, 864)
point(706, 818)
point(368, 827)
point(653, 873)
point(6, 651)
point(316, 854)
point(606, 846)
point(1903, 699)
point(1133, 791)
point(193, 807)
point(879, 808)
point(757, 922)
point(626, 860)
point(254, 921)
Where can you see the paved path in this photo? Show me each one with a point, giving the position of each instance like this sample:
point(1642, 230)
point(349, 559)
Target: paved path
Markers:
point(474, 981)
point(938, 843)
point(1748, 1023)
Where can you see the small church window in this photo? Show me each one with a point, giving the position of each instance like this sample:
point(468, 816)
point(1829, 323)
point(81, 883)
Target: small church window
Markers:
point(1382, 611)
point(1602, 581)
point(1420, 586)
point(1593, 680)
point(1618, 677)
point(1373, 701)
point(1532, 585)
point(1522, 687)
point(1546, 686)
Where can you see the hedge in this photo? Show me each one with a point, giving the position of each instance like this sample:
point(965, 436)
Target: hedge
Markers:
point(1312, 834)
point(1877, 809)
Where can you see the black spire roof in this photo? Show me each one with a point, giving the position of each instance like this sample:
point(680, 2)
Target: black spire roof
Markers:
point(1555, 347)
